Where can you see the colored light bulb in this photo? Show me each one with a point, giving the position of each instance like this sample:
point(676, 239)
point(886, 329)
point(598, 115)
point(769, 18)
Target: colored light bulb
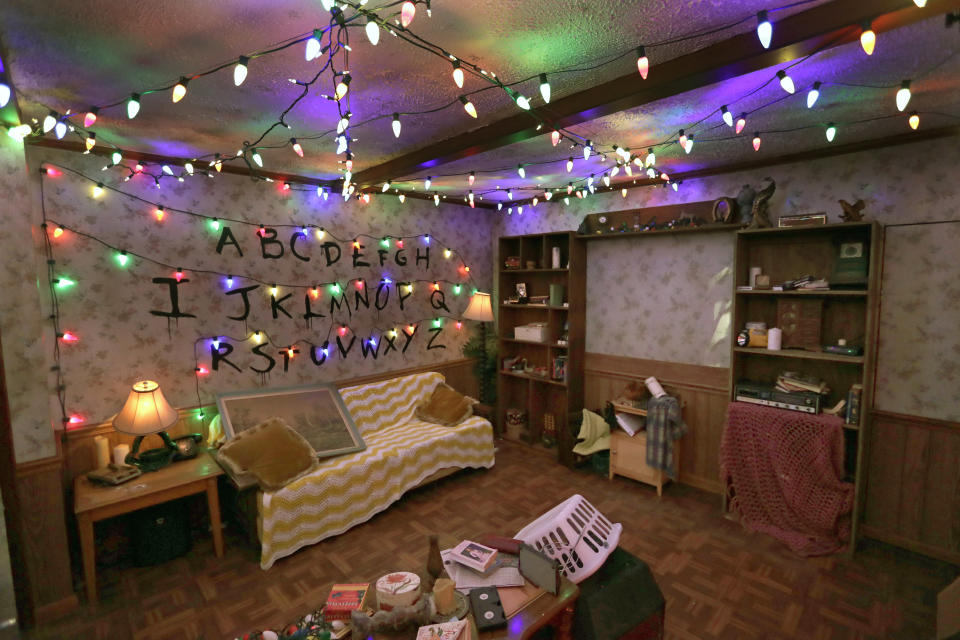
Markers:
point(240, 71)
point(741, 123)
point(257, 337)
point(179, 90)
point(544, 88)
point(914, 120)
point(764, 29)
point(813, 95)
point(373, 31)
point(215, 224)
point(60, 129)
point(555, 138)
point(63, 283)
point(468, 106)
point(123, 258)
point(831, 132)
point(273, 290)
point(69, 337)
point(297, 148)
point(229, 282)
point(407, 12)
point(523, 102)
point(90, 118)
point(256, 158)
point(920, 3)
point(98, 190)
point(437, 323)
point(426, 238)
point(868, 39)
point(179, 274)
point(159, 213)
point(456, 289)
point(447, 253)
point(91, 141)
point(116, 157)
point(457, 74)
point(643, 63)
point(5, 93)
point(321, 233)
point(569, 164)
point(58, 232)
point(133, 106)
point(343, 330)
point(396, 125)
point(756, 141)
point(335, 289)
point(683, 139)
point(343, 86)
point(903, 95)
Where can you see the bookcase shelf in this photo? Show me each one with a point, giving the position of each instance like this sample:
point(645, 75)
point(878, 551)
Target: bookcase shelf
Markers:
point(851, 314)
point(802, 355)
point(542, 398)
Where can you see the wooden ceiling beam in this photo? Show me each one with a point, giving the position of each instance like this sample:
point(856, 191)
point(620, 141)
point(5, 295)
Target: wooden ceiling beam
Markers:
point(153, 158)
point(822, 27)
point(787, 158)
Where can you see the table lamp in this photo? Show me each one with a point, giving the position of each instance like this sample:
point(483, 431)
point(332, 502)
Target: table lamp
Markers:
point(146, 411)
point(481, 311)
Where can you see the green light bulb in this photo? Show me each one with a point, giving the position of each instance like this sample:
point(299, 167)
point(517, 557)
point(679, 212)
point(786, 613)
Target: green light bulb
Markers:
point(122, 258)
point(63, 283)
point(215, 224)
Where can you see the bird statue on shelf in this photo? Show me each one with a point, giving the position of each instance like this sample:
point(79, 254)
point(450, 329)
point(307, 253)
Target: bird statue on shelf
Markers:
point(759, 213)
point(744, 202)
point(851, 212)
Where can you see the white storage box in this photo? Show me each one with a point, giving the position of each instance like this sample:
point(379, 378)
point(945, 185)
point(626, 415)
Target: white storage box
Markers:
point(535, 332)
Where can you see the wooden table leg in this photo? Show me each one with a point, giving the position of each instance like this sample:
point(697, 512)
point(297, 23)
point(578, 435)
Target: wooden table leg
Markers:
point(563, 624)
point(213, 504)
point(89, 556)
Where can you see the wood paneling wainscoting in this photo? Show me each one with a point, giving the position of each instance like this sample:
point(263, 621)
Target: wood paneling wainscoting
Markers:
point(913, 484)
point(703, 390)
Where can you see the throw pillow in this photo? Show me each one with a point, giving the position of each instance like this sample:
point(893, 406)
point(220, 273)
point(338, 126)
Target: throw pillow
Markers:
point(272, 452)
point(446, 406)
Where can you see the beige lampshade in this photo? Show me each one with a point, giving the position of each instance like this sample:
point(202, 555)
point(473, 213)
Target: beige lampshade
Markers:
point(146, 411)
point(479, 308)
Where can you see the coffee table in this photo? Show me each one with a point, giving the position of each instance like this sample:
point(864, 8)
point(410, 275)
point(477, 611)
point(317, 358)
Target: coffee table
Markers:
point(547, 610)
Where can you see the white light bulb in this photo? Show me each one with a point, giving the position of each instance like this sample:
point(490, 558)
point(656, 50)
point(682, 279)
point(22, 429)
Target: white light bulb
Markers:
point(49, 122)
point(831, 132)
point(457, 74)
point(764, 29)
point(521, 171)
point(396, 125)
point(544, 87)
point(786, 81)
point(133, 106)
point(5, 94)
point(569, 165)
point(240, 71)
point(688, 147)
point(523, 103)
point(903, 95)
point(813, 95)
point(312, 48)
point(426, 183)
point(373, 32)
point(726, 115)
point(60, 129)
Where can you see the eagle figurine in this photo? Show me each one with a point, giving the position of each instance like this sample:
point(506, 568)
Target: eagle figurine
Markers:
point(851, 212)
point(760, 218)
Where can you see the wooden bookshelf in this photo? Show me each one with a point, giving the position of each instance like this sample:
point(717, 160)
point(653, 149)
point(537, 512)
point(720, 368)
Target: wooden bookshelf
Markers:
point(542, 395)
point(849, 313)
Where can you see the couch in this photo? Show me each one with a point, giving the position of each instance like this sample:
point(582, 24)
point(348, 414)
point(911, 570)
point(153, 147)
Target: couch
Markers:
point(402, 453)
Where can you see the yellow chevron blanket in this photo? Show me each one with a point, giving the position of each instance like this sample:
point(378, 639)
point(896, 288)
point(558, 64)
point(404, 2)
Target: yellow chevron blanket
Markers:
point(401, 452)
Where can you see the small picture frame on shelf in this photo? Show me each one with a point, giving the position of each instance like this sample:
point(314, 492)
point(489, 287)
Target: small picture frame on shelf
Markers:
point(522, 293)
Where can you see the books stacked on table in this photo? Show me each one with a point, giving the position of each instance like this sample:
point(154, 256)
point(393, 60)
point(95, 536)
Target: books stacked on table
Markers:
point(474, 555)
point(792, 382)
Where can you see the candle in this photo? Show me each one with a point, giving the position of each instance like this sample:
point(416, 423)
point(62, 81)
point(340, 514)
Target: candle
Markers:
point(443, 596)
point(120, 453)
point(103, 451)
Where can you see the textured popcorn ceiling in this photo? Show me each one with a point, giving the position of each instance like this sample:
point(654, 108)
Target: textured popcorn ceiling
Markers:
point(68, 55)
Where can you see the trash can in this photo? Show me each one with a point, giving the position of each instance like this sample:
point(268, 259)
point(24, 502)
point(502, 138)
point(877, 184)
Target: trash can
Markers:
point(160, 533)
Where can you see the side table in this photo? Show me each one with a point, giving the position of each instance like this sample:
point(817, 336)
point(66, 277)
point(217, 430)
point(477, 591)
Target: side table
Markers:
point(93, 502)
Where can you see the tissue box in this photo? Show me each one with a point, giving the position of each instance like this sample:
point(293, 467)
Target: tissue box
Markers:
point(535, 332)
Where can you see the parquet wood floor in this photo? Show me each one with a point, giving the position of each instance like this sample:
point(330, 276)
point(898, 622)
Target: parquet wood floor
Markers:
point(719, 581)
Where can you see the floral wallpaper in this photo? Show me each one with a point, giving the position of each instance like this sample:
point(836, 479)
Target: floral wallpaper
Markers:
point(120, 313)
point(27, 339)
point(668, 298)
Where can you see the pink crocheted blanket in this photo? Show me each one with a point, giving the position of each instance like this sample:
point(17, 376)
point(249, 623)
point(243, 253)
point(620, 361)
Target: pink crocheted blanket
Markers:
point(783, 471)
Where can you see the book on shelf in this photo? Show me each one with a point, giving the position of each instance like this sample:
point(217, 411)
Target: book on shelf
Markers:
point(791, 381)
point(852, 415)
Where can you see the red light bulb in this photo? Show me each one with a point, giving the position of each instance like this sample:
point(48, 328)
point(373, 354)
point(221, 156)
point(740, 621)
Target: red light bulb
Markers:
point(69, 337)
point(179, 274)
point(343, 330)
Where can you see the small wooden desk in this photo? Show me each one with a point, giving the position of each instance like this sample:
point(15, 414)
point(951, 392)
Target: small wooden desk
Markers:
point(93, 502)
